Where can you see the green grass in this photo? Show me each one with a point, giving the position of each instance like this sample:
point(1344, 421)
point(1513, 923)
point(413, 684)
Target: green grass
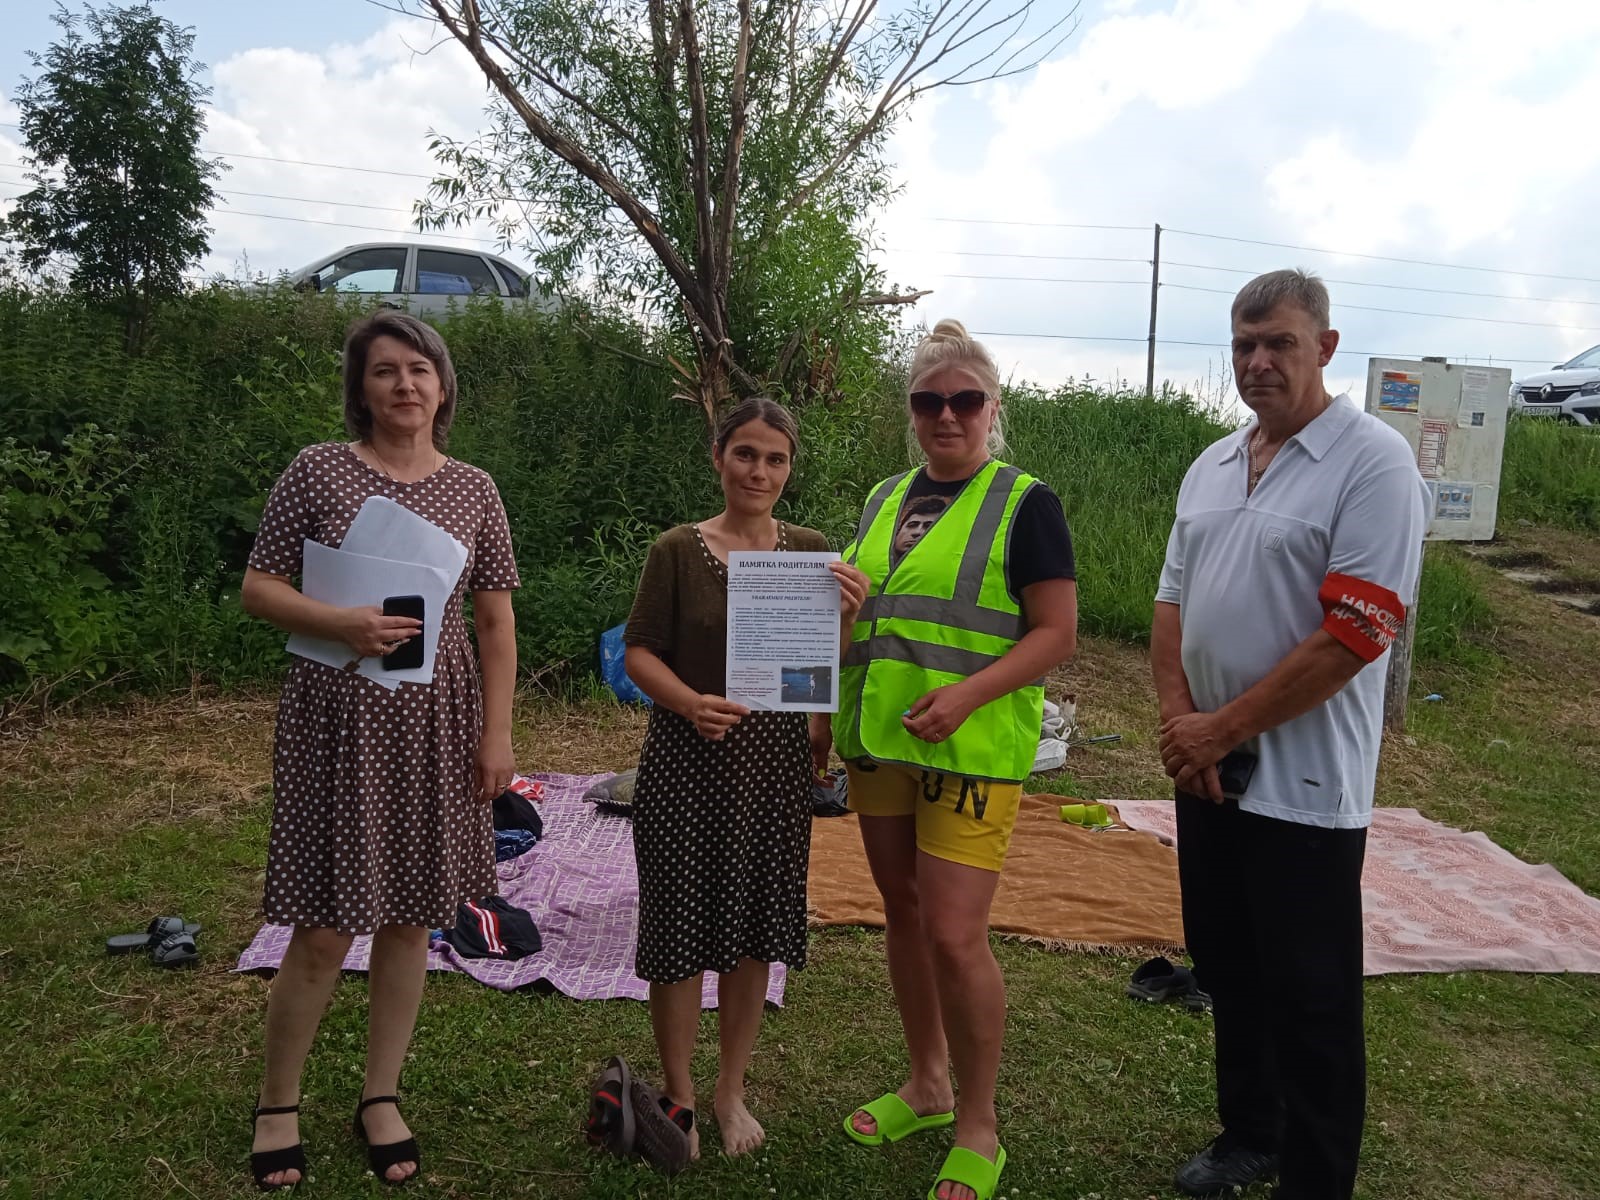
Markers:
point(1116, 460)
point(1551, 474)
point(122, 1081)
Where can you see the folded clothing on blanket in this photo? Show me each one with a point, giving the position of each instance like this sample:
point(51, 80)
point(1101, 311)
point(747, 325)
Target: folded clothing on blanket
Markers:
point(509, 843)
point(493, 928)
point(514, 807)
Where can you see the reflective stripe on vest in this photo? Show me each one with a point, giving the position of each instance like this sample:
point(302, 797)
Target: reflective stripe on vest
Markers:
point(939, 615)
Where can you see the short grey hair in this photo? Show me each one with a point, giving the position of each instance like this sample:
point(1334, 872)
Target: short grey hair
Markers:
point(1295, 286)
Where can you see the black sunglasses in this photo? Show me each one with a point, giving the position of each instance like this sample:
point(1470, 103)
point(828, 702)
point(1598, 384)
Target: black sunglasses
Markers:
point(963, 404)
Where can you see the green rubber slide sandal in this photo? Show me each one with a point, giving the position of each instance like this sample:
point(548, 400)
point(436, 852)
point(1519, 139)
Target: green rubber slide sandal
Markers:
point(895, 1118)
point(971, 1169)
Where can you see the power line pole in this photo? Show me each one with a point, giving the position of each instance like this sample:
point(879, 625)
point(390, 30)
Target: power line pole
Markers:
point(1155, 287)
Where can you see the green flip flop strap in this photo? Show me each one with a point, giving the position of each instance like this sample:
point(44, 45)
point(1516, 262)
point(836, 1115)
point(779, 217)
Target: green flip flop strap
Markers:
point(896, 1119)
point(970, 1169)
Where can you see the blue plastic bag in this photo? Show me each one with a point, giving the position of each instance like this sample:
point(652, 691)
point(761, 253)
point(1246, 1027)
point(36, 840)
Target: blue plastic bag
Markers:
point(612, 670)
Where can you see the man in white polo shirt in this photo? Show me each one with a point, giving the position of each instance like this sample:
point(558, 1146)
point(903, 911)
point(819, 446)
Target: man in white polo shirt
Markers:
point(1294, 554)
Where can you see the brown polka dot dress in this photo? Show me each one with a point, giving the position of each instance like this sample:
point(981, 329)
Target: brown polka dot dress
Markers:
point(721, 830)
point(375, 821)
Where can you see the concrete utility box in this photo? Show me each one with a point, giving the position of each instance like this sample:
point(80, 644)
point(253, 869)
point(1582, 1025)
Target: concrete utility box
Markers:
point(1455, 419)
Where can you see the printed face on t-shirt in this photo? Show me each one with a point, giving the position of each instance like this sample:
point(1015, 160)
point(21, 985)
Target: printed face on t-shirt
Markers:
point(916, 521)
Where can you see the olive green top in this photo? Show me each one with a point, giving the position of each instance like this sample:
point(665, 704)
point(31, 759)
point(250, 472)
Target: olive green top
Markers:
point(681, 608)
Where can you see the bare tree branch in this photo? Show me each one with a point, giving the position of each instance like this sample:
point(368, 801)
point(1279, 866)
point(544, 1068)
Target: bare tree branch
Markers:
point(903, 89)
point(885, 298)
point(466, 27)
point(841, 49)
point(723, 254)
point(699, 153)
point(540, 72)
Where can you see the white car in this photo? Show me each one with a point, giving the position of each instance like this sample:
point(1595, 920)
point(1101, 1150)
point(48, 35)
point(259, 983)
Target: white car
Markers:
point(1569, 391)
point(420, 278)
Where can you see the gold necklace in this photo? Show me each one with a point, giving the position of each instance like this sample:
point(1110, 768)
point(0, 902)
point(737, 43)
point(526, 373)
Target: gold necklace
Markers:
point(1250, 457)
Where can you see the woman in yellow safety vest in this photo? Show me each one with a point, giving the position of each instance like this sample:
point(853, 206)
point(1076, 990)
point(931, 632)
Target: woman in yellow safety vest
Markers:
point(941, 696)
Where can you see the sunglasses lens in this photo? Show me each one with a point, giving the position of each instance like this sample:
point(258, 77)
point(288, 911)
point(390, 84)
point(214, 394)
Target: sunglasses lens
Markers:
point(962, 404)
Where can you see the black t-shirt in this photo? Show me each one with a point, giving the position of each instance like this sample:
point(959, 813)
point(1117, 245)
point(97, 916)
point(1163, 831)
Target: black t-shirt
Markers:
point(1041, 543)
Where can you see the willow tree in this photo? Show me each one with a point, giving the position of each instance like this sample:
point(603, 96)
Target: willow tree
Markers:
point(714, 159)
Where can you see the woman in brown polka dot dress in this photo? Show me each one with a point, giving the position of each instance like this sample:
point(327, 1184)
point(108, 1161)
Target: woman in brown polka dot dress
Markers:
point(722, 806)
point(381, 820)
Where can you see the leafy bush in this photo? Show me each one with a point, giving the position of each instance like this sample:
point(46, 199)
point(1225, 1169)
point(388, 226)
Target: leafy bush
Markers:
point(133, 486)
point(61, 615)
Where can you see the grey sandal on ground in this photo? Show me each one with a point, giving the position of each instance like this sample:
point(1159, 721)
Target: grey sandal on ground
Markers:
point(175, 950)
point(661, 1128)
point(159, 928)
point(610, 1123)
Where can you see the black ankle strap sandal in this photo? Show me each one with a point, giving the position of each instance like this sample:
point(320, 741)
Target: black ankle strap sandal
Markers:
point(381, 1158)
point(270, 1162)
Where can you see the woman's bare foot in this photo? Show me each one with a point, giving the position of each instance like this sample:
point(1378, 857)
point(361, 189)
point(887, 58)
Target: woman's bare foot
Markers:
point(924, 1101)
point(277, 1132)
point(385, 1125)
point(741, 1132)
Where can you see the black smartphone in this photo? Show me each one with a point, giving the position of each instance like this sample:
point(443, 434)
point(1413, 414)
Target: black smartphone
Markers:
point(1234, 772)
point(407, 656)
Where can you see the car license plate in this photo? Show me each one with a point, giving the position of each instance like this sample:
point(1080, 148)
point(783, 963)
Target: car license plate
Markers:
point(1540, 409)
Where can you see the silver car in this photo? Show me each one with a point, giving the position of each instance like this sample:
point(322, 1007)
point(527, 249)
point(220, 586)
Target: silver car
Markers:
point(420, 278)
point(1569, 391)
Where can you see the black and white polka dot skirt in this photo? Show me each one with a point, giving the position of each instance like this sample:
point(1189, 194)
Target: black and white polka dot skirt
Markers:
point(722, 837)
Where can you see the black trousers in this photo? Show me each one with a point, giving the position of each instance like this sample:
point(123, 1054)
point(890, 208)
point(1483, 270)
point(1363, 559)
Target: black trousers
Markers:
point(1272, 917)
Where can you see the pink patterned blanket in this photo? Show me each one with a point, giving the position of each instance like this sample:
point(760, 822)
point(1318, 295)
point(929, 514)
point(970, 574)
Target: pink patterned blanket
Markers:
point(579, 886)
point(1438, 899)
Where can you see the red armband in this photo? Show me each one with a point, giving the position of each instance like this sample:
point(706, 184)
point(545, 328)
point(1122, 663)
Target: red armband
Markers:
point(1363, 616)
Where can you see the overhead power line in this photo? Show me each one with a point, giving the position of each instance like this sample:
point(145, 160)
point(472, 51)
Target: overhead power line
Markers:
point(1406, 312)
point(1397, 287)
point(1038, 224)
point(294, 162)
point(408, 233)
point(1000, 254)
point(1040, 279)
point(1415, 262)
point(1221, 237)
point(1081, 337)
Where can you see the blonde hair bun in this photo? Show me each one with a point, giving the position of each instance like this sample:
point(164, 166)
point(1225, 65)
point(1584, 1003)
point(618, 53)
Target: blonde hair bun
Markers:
point(949, 344)
point(948, 330)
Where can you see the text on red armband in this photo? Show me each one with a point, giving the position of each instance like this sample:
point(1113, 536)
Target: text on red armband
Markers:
point(1366, 618)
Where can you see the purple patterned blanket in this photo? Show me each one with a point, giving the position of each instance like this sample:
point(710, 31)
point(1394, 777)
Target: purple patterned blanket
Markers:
point(579, 886)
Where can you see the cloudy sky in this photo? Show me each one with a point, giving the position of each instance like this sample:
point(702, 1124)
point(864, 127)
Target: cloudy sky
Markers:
point(1341, 135)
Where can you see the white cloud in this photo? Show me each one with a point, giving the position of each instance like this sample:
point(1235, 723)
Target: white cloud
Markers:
point(368, 105)
point(1440, 130)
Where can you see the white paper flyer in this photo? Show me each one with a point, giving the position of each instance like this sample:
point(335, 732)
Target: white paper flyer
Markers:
point(783, 631)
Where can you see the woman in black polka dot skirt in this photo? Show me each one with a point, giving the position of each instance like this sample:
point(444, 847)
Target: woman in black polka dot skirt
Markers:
point(722, 806)
point(381, 820)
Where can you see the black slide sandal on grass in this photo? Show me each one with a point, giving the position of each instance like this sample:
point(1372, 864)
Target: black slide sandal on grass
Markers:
point(175, 950)
point(159, 928)
point(1159, 980)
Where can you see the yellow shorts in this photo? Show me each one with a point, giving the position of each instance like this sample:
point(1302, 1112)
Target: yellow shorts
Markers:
point(958, 819)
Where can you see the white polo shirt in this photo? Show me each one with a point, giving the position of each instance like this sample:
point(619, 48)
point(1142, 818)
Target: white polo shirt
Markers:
point(1343, 496)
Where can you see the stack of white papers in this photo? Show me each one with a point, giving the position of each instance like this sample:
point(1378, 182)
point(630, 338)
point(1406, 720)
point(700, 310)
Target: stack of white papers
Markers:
point(388, 551)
